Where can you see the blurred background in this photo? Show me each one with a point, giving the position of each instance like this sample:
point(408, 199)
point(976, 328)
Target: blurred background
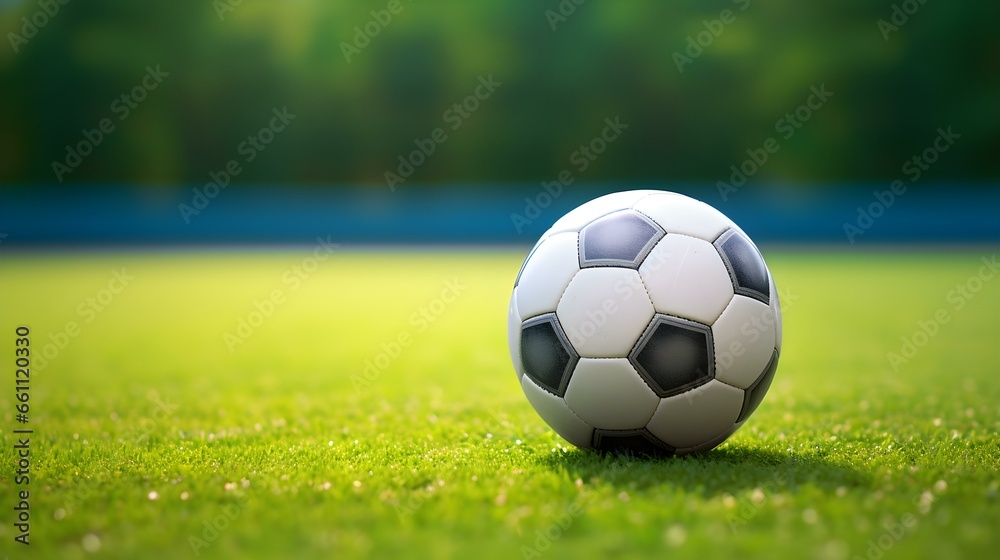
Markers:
point(229, 121)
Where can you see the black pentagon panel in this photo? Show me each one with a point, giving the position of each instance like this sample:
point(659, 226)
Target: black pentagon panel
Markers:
point(631, 442)
point(755, 394)
point(546, 353)
point(746, 266)
point(674, 355)
point(619, 239)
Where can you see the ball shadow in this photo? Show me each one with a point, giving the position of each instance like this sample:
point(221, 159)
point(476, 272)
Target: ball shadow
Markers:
point(726, 470)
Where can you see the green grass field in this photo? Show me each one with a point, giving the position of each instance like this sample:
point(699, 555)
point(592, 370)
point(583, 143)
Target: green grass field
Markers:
point(149, 430)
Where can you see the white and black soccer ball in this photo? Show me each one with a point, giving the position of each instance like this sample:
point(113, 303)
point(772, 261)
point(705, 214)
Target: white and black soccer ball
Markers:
point(645, 322)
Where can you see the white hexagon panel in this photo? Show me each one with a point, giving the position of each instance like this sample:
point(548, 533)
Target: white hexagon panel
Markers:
point(549, 269)
point(557, 414)
point(514, 335)
point(600, 318)
point(744, 341)
point(610, 394)
point(686, 277)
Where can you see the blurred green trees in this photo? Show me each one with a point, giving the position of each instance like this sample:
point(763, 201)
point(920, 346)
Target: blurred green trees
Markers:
point(697, 85)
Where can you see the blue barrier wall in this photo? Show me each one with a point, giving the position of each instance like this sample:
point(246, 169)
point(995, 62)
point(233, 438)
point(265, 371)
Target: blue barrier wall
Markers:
point(472, 214)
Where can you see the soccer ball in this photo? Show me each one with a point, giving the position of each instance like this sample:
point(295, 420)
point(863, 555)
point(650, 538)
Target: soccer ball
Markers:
point(645, 322)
